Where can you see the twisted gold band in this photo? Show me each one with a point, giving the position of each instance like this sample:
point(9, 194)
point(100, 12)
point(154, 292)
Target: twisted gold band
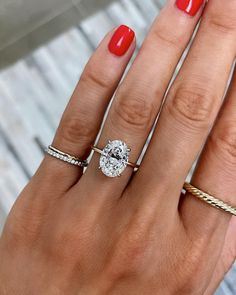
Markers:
point(209, 199)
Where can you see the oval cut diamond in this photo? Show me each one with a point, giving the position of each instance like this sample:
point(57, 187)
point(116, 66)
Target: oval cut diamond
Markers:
point(114, 158)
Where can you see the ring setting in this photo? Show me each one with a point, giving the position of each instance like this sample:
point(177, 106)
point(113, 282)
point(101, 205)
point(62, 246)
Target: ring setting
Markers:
point(114, 158)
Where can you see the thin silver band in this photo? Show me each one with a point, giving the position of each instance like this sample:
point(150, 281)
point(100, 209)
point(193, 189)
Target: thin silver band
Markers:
point(97, 150)
point(209, 199)
point(52, 151)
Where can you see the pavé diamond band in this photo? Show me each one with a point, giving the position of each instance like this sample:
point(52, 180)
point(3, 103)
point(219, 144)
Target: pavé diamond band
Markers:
point(52, 151)
point(209, 199)
point(114, 158)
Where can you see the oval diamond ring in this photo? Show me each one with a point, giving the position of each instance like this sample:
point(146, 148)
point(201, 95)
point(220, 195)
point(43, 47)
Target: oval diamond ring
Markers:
point(114, 158)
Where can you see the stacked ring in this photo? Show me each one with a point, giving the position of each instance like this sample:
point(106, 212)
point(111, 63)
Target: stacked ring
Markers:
point(114, 160)
point(52, 151)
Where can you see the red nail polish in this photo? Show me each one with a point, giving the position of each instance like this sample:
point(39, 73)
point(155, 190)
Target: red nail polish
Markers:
point(121, 40)
point(190, 7)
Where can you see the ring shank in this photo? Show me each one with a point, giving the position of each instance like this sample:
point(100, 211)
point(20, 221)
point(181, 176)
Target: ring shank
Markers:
point(209, 199)
point(54, 152)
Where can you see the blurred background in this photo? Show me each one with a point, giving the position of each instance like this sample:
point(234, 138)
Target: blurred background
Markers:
point(44, 46)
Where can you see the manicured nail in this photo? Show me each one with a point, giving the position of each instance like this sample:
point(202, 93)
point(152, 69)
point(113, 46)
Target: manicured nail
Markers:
point(121, 40)
point(190, 7)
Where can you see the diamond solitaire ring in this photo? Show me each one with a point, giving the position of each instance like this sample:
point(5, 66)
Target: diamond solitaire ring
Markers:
point(114, 158)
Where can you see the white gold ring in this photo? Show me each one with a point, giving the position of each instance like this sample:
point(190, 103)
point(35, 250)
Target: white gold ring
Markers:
point(52, 151)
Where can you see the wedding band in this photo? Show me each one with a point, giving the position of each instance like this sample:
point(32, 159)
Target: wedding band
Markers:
point(52, 151)
point(209, 199)
point(114, 158)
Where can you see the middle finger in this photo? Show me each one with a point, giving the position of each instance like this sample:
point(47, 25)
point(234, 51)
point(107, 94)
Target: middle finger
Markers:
point(191, 107)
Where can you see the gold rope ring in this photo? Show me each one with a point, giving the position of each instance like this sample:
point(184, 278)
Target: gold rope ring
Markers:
point(209, 199)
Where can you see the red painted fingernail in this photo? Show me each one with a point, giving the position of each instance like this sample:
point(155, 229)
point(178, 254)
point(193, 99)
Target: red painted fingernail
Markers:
point(121, 40)
point(190, 7)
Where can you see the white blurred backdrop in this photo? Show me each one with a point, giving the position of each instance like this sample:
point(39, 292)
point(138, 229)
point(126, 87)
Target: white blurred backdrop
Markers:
point(41, 59)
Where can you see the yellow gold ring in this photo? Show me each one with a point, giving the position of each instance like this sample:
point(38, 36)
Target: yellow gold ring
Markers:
point(209, 199)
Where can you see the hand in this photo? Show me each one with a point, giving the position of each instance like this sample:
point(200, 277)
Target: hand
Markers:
point(74, 233)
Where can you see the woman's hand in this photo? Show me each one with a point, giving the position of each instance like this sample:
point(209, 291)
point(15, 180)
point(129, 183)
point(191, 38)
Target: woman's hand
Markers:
point(73, 233)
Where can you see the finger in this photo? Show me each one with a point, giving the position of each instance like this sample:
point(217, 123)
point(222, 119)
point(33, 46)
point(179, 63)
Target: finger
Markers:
point(83, 116)
point(226, 259)
point(215, 174)
point(190, 108)
point(138, 100)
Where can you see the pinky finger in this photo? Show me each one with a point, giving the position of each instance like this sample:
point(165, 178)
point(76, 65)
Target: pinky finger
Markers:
point(226, 259)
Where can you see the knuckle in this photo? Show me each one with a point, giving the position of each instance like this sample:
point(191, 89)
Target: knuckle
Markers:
point(67, 245)
point(96, 78)
point(130, 255)
point(224, 22)
point(135, 247)
point(189, 272)
point(224, 140)
point(166, 38)
point(74, 129)
point(191, 107)
point(134, 111)
point(24, 227)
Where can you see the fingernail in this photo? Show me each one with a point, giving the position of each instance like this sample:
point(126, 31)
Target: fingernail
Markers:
point(121, 40)
point(190, 7)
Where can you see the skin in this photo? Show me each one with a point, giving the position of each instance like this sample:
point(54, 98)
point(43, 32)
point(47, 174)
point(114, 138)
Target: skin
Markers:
point(74, 233)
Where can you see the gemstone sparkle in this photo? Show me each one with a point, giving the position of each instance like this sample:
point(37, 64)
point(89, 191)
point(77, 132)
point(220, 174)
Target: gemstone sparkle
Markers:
point(114, 158)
